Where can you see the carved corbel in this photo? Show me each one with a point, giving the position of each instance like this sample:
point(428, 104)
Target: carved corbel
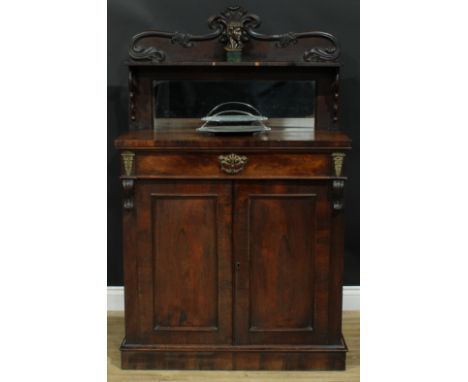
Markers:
point(128, 167)
point(338, 194)
point(128, 186)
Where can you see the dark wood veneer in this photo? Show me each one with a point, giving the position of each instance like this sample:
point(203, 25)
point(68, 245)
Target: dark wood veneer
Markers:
point(187, 137)
point(323, 357)
point(236, 270)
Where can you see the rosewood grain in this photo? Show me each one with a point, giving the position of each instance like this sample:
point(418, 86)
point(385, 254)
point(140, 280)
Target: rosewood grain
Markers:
point(235, 358)
point(258, 166)
point(240, 270)
point(182, 134)
point(183, 249)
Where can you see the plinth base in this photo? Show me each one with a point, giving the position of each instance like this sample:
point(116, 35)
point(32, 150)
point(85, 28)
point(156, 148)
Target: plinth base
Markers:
point(222, 357)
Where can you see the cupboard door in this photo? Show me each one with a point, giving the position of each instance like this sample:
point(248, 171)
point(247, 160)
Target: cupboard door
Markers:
point(183, 237)
point(281, 253)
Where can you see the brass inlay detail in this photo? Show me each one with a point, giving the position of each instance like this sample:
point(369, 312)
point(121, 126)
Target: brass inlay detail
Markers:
point(338, 159)
point(128, 159)
point(232, 163)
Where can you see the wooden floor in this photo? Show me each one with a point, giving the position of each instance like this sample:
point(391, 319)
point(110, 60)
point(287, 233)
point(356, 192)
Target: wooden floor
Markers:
point(115, 334)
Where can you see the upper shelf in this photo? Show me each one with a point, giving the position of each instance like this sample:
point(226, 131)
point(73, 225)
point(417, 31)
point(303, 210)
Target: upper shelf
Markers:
point(234, 41)
point(234, 64)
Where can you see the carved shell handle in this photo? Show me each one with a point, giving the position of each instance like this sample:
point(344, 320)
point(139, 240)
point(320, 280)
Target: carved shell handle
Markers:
point(232, 163)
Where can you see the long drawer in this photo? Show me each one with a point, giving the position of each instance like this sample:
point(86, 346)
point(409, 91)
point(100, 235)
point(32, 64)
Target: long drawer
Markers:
point(230, 165)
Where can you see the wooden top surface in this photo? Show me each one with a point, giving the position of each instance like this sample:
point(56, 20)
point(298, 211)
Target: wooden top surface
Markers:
point(319, 64)
point(185, 137)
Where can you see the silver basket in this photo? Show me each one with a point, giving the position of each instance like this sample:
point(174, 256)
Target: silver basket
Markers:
point(229, 117)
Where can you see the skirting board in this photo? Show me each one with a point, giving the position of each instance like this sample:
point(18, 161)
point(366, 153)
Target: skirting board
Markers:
point(115, 298)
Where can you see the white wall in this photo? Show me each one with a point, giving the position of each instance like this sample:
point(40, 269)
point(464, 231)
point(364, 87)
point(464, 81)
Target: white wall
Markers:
point(115, 298)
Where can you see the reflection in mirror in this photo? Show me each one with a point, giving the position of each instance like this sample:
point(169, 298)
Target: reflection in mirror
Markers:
point(284, 103)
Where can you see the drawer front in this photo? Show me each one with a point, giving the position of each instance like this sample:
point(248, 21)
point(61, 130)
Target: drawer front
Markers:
point(228, 165)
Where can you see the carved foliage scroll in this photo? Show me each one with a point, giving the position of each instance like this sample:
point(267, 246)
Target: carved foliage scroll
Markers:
point(234, 27)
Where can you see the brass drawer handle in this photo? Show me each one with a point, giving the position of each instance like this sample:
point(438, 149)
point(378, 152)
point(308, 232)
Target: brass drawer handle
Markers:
point(232, 163)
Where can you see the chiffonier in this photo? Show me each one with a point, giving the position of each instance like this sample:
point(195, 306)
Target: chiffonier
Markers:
point(233, 242)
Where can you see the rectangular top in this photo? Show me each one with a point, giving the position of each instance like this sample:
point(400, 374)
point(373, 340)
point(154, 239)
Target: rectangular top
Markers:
point(189, 138)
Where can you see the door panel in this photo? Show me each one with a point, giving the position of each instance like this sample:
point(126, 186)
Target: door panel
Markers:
point(281, 247)
point(184, 246)
point(281, 231)
point(185, 265)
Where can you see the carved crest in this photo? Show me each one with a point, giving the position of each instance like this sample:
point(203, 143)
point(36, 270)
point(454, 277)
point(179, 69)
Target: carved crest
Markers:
point(234, 27)
point(233, 22)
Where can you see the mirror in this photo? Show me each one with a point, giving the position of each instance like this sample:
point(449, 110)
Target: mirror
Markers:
point(184, 103)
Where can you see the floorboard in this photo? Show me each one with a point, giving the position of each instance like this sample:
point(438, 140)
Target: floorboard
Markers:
point(115, 333)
